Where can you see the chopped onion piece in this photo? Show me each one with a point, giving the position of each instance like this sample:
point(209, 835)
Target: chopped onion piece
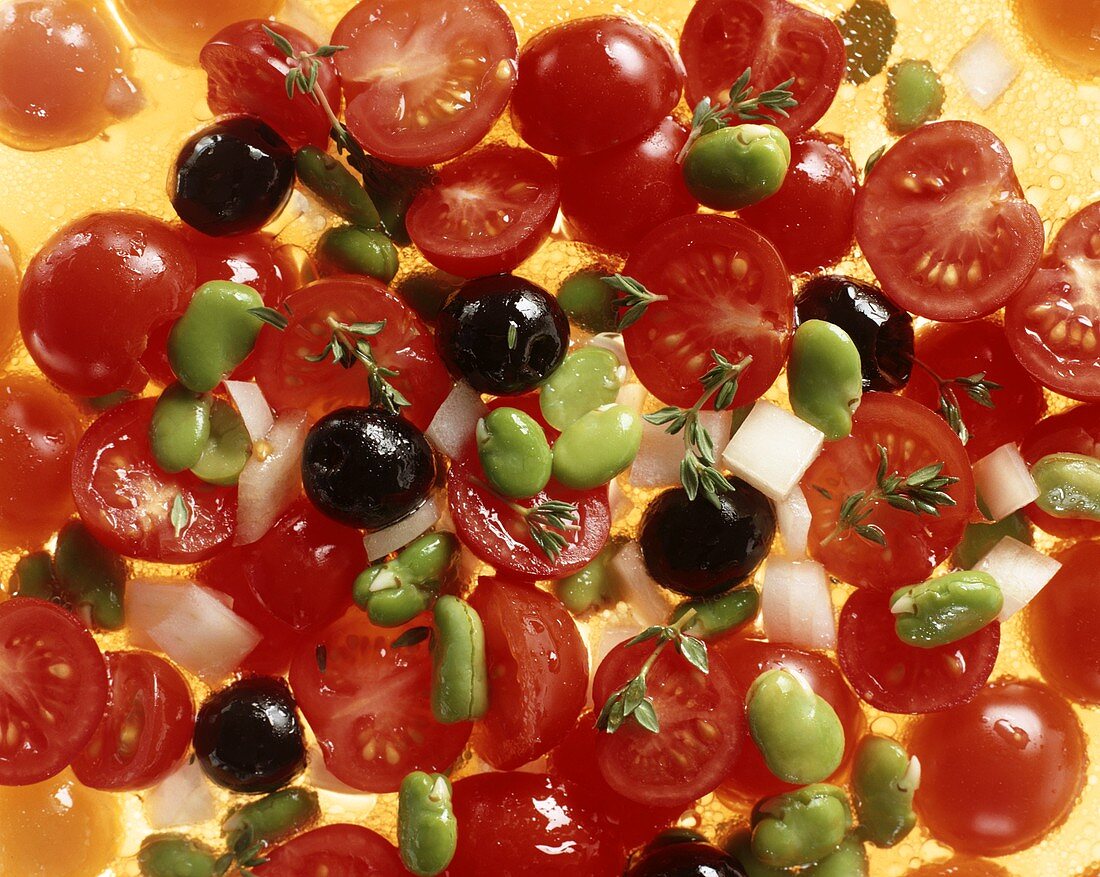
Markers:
point(602, 639)
point(181, 798)
point(272, 479)
point(398, 535)
point(632, 396)
point(985, 69)
point(658, 460)
point(772, 449)
point(253, 407)
point(796, 605)
point(621, 504)
point(1004, 482)
point(1020, 571)
point(644, 596)
point(792, 513)
point(612, 341)
point(454, 422)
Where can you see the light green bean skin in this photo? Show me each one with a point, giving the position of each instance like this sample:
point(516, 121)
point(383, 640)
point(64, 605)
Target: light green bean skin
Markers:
point(352, 250)
point(719, 616)
point(598, 446)
point(336, 186)
point(215, 334)
point(33, 577)
point(849, 860)
point(588, 588)
point(179, 428)
point(91, 578)
point(514, 452)
point(460, 686)
point(734, 167)
point(273, 817)
point(979, 538)
point(883, 784)
point(173, 855)
point(586, 380)
point(824, 377)
point(914, 95)
point(946, 609)
point(588, 301)
point(800, 827)
point(739, 845)
point(427, 832)
point(228, 448)
point(395, 592)
point(1069, 486)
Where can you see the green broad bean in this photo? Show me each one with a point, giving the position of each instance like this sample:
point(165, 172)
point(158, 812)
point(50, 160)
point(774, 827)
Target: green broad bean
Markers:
point(734, 167)
point(587, 588)
point(739, 845)
point(272, 818)
point(33, 577)
point(460, 685)
point(979, 538)
point(427, 833)
point(353, 250)
point(914, 95)
point(943, 610)
point(427, 293)
point(393, 208)
point(173, 855)
point(91, 578)
point(884, 779)
point(718, 616)
point(598, 446)
point(797, 732)
point(336, 186)
point(215, 334)
point(395, 592)
point(589, 302)
point(800, 827)
point(109, 400)
point(228, 448)
point(1069, 486)
point(849, 860)
point(180, 428)
point(825, 378)
point(514, 452)
point(587, 379)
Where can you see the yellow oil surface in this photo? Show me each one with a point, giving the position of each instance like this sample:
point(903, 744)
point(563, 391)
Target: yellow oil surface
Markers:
point(1049, 117)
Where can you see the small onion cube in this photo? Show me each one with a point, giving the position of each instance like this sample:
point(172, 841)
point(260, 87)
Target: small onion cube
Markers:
point(1020, 571)
point(659, 457)
point(985, 69)
point(182, 798)
point(397, 536)
point(272, 479)
point(455, 420)
point(772, 449)
point(1004, 482)
point(621, 504)
point(632, 396)
point(643, 595)
point(792, 514)
point(253, 407)
point(796, 605)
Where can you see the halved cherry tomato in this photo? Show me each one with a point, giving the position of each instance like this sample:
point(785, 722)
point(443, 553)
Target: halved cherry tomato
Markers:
point(727, 290)
point(53, 689)
point(486, 212)
point(424, 81)
point(339, 850)
point(1076, 430)
point(126, 499)
point(9, 292)
point(896, 677)
point(777, 39)
point(538, 672)
point(960, 866)
point(913, 437)
point(146, 728)
point(1054, 322)
point(944, 225)
point(370, 705)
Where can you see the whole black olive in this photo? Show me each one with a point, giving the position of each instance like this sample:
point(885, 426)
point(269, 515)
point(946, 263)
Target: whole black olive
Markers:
point(685, 860)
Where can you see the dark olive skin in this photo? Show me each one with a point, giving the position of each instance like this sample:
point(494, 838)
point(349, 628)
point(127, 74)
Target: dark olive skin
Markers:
point(248, 737)
point(367, 468)
point(693, 548)
point(473, 334)
point(882, 332)
point(685, 860)
point(232, 177)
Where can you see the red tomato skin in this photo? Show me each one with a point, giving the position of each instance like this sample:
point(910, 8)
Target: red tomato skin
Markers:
point(612, 199)
point(811, 219)
point(338, 850)
point(91, 295)
point(960, 866)
point(75, 701)
point(961, 349)
point(555, 107)
point(1076, 430)
point(246, 75)
point(1001, 771)
point(538, 672)
point(145, 682)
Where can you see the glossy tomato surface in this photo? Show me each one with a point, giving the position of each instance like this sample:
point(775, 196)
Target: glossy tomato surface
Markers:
point(338, 850)
point(1076, 430)
point(944, 225)
point(960, 866)
point(9, 292)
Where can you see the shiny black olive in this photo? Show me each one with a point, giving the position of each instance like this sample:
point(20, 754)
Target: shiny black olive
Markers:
point(502, 334)
point(248, 736)
point(232, 177)
point(699, 550)
point(366, 467)
point(686, 860)
point(882, 332)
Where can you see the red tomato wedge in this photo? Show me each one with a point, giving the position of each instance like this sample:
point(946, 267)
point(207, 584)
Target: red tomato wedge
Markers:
point(424, 81)
point(778, 40)
point(1054, 322)
point(726, 289)
point(944, 225)
point(486, 212)
point(339, 850)
point(1076, 430)
point(53, 689)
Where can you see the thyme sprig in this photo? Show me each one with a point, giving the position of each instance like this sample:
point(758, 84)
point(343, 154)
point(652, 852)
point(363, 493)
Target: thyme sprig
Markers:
point(632, 300)
point(549, 522)
point(976, 386)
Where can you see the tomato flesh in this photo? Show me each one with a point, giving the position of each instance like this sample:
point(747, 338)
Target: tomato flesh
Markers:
point(339, 850)
point(1076, 430)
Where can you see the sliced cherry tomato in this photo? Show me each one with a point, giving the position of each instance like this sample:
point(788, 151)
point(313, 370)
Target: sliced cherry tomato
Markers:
point(370, 707)
point(896, 677)
point(496, 530)
point(146, 729)
point(592, 83)
point(126, 499)
point(9, 292)
point(960, 866)
point(1053, 322)
point(53, 690)
point(944, 225)
point(613, 198)
point(913, 437)
point(701, 720)
point(339, 850)
point(486, 212)
point(727, 290)
point(538, 672)
point(1076, 430)
point(777, 39)
point(959, 350)
point(289, 380)
point(811, 219)
point(424, 82)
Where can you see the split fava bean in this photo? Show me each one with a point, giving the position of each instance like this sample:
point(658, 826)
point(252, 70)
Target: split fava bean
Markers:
point(460, 686)
point(943, 610)
point(395, 592)
point(587, 379)
point(91, 578)
point(1069, 486)
point(215, 334)
point(588, 301)
point(336, 186)
point(228, 448)
point(914, 95)
point(884, 779)
point(179, 428)
point(825, 377)
point(514, 453)
point(596, 447)
point(173, 855)
point(979, 538)
point(734, 167)
point(720, 615)
point(589, 587)
point(352, 250)
point(272, 817)
point(33, 577)
point(427, 832)
point(848, 860)
point(800, 827)
point(797, 732)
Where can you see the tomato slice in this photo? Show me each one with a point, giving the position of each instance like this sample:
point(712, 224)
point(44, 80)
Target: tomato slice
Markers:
point(727, 290)
point(339, 850)
point(1053, 323)
point(778, 40)
point(126, 499)
point(146, 728)
point(538, 672)
point(486, 212)
point(53, 689)
point(370, 707)
point(914, 437)
point(944, 225)
point(896, 677)
point(424, 82)
point(1076, 430)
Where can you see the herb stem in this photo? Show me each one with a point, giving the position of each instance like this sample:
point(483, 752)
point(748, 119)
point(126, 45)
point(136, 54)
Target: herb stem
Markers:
point(677, 627)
